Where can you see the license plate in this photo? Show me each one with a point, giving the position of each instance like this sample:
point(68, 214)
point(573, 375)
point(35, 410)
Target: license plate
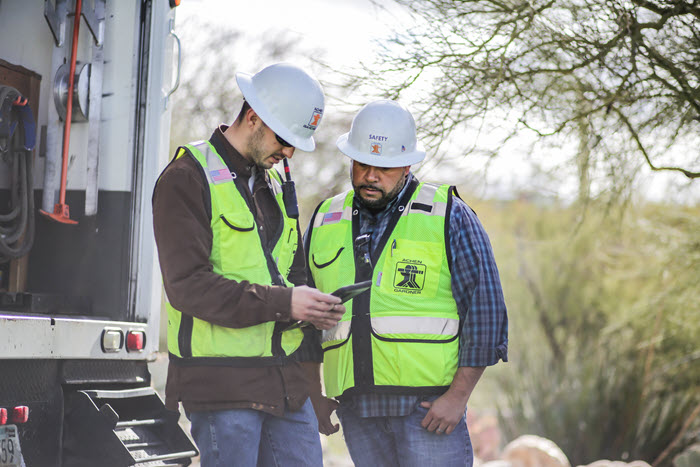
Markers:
point(10, 453)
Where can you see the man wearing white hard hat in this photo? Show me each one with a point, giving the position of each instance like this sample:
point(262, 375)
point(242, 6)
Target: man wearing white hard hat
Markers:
point(405, 357)
point(226, 228)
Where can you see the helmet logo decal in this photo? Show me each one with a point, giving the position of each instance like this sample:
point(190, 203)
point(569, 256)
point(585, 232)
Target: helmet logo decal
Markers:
point(315, 119)
point(374, 147)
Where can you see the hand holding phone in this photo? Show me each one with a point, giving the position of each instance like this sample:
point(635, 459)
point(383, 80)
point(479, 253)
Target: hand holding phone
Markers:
point(344, 293)
point(351, 291)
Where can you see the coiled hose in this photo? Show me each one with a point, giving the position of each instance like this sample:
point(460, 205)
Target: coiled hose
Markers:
point(16, 144)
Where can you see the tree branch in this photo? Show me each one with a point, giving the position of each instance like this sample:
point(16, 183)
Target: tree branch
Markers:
point(677, 9)
point(642, 149)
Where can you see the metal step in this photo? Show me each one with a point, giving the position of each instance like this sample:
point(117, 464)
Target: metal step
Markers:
point(115, 428)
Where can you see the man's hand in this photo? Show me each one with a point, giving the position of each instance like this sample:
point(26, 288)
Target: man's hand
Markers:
point(324, 407)
point(447, 410)
point(445, 413)
point(320, 309)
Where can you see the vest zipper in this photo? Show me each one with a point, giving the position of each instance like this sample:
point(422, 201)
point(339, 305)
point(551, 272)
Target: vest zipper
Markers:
point(361, 325)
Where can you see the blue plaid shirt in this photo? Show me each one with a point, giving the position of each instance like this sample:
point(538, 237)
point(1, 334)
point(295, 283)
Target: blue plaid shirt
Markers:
point(476, 288)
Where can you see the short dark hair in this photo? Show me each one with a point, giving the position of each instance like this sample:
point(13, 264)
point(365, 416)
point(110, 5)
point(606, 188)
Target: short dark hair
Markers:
point(241, 114)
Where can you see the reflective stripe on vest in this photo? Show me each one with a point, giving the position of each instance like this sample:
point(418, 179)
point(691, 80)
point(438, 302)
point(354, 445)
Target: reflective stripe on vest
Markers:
point(399, 325)
point(238, 254)
point(409, 343)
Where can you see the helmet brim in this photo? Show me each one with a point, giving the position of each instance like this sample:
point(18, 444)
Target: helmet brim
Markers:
point(402, 160)
point(245, 84)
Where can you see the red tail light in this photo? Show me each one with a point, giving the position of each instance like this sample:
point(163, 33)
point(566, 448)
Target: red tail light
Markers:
point(20, 414)
point(135, 340)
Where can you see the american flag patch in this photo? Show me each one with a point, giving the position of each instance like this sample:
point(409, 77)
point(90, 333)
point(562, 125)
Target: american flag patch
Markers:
point(221, 176)
point(331, 217)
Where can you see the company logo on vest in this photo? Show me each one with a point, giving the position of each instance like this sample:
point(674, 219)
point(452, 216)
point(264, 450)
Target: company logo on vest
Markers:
point(409, 277)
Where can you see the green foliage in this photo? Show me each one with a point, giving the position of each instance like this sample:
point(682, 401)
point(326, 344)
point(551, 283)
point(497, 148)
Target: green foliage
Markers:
point(604, 333)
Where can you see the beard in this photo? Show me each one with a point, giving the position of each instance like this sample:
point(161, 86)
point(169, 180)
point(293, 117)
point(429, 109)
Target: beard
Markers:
point(255, 149)
point(379, 203)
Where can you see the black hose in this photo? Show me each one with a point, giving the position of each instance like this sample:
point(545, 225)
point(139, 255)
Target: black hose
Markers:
point(17, 222)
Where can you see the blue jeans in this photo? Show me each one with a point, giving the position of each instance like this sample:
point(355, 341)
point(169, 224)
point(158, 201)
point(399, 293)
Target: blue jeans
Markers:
point(248, 437)
point(402, 441)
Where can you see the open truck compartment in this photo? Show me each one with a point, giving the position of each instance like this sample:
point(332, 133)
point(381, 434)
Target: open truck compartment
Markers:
point(80, 290)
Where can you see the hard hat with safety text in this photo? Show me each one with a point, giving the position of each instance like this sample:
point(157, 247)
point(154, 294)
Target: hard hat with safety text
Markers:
point(382, 134)
point(288, 99)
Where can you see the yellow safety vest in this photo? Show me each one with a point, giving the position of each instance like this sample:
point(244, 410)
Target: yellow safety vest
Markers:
point(402, 336)
point(238, 254)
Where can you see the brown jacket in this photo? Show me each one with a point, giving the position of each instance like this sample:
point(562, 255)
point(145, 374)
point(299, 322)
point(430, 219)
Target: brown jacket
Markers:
point(181, 224)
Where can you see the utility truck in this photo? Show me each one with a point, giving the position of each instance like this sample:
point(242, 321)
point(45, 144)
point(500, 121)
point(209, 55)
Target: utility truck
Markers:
point(84, 132)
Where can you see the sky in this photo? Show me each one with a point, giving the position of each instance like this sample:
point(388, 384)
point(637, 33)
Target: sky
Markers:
point(345, 27)
point(348, 30)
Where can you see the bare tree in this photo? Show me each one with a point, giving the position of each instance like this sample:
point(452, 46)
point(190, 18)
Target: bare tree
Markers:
point(621, 78)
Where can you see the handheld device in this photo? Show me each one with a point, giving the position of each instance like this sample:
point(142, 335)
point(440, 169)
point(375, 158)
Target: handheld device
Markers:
point(351, 291)
point(344, 293)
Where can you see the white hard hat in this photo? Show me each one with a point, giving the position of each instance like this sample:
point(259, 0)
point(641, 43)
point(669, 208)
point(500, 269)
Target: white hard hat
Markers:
point(287, 99)
point(382, 134)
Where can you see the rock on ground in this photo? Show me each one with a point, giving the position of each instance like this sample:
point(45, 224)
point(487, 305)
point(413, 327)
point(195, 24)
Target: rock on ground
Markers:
point(534, 451)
